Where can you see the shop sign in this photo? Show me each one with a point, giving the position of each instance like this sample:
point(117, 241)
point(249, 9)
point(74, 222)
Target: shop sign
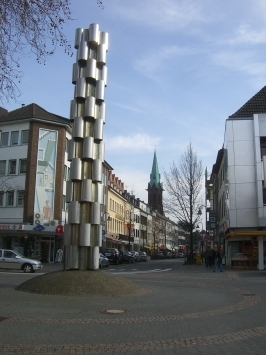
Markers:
point(12, 227)
point(39, 228)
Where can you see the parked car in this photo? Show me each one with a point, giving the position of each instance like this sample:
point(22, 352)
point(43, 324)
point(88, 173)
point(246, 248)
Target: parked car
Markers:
point(136, 255)
point(103, 261)
point(143, 256)
point(13, 260)
point(181, 254)
point(113, 255)
point(127, 257)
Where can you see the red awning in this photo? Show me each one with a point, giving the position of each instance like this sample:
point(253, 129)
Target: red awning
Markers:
point(113, 239)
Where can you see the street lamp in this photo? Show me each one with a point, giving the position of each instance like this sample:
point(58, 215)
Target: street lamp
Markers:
point(202, 242)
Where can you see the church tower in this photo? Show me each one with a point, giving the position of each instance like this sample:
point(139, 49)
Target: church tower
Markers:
point(155, 188)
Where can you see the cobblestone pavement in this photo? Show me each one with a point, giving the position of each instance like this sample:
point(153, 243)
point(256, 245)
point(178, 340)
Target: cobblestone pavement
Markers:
point(188, 310)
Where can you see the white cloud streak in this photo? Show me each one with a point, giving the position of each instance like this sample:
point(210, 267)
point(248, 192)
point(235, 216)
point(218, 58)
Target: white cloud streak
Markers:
point(136, 142)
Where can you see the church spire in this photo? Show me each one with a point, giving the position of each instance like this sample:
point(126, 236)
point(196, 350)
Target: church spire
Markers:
point(155, 188)
point(155, 176)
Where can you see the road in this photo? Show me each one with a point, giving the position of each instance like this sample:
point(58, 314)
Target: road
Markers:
point(185, 310)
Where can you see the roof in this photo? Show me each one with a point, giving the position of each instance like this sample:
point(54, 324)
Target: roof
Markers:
point(33, 111)
point(257, 104)
point(155, 176)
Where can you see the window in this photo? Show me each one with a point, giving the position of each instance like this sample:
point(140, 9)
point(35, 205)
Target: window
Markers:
point(1, 199)
point(64, 203)
point(22, 166)
point(20, 198)
point(25, 137)
point(2, 167)
point(12, 166)
point(14, 138)
point(263, 194)
point(10, 198)
point(9, 254)
point(66, 148)
point(4, 139)
point(65, 173)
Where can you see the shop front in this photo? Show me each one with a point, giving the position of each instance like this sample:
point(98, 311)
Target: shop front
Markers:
point(36, 243)
point(246, 250)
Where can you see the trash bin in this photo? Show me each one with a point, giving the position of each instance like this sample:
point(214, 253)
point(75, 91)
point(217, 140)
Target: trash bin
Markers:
point(198, 258)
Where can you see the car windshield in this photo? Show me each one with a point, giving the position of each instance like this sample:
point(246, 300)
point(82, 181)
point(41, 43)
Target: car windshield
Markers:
point(18, 254)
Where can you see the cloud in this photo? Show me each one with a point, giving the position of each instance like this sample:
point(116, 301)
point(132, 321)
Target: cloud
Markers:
point(136, 142)
point(163, 15)
point(243, 61)
point(129, 108)
point(156, 60)
point(246, 34)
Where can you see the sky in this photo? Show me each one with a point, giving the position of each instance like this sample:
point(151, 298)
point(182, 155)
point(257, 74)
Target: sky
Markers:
point(177, 69)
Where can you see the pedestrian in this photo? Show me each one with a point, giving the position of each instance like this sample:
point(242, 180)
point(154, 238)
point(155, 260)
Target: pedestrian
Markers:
point(218, 261)
point(209, 257)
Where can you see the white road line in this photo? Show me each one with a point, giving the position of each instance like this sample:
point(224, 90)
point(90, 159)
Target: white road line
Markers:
point(140, 272)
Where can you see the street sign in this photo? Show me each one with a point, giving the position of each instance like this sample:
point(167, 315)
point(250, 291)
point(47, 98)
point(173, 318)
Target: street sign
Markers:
point(212, 219)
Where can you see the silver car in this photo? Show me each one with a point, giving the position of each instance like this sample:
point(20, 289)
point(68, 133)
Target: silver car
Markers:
point(10, 259)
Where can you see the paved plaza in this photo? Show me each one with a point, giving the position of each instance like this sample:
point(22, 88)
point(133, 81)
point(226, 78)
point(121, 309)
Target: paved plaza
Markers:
point(186, 310)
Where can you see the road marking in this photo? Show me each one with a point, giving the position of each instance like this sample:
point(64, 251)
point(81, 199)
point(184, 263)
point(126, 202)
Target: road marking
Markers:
point(140, 272)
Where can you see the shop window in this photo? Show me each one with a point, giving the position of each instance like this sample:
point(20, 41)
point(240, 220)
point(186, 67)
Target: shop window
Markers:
point(12, 167)
point(22, 166)
point(10, 198)
point(2, 167)
point(4, 139)
point(14, 138)
point(20, 198)
point(25, 136)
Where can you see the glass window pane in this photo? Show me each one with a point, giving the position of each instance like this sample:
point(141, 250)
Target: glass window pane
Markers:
point(2, 167)
point(14, 138)
point(22, 166)
point(25, 137)
point(1, 199)
point(4, 139)
point(12, 166)
point(20, 196)
point(10, 198)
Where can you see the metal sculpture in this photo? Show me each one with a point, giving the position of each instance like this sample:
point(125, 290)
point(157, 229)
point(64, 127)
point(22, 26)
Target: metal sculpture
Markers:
point(83, 233)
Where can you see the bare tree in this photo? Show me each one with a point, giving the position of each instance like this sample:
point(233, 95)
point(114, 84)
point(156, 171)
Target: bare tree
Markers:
point(157, 227)
point(183, 185)
point(7, 184)
point(29, 26)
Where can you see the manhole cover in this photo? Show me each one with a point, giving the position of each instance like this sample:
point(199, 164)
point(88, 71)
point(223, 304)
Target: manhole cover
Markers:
point(114, 311)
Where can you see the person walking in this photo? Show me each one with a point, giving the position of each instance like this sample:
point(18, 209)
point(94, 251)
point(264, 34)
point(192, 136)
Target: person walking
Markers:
point(218, 261)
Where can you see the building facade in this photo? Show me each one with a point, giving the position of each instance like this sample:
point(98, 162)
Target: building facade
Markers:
point(33, 174)
point(239, 186)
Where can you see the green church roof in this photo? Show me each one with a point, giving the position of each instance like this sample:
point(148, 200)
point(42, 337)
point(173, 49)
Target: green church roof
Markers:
point(155, 176)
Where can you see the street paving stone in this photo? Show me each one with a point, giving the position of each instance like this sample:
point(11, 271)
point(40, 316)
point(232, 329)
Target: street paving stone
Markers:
point(188, 310)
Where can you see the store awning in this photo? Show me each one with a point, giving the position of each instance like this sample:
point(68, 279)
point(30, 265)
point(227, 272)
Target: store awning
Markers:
point(112, 239)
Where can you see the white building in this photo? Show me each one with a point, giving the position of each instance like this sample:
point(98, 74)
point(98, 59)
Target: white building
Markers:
point(33, 173)
point(239, 183)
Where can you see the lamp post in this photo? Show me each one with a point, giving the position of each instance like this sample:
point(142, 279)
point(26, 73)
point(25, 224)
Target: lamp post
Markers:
point(202, 242)
point(129, 231)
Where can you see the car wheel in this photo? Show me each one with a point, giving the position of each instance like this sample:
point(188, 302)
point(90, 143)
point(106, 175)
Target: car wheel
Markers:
point(27, 268)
